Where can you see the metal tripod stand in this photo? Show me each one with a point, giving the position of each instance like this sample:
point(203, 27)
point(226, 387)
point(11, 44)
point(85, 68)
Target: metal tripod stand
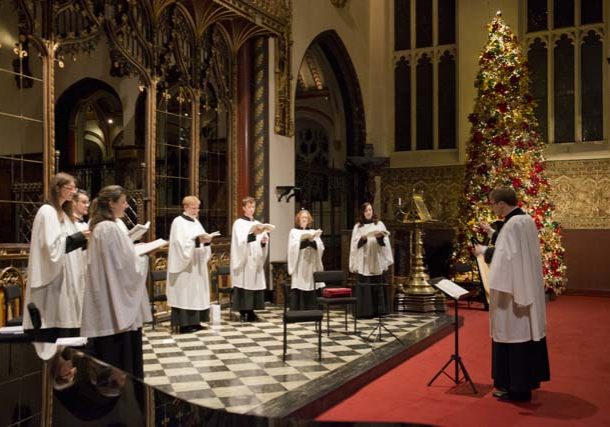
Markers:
point(455, 357)
point(380, 325)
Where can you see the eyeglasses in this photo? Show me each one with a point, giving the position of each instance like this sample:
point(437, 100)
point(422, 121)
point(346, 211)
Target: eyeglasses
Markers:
point(70, 187)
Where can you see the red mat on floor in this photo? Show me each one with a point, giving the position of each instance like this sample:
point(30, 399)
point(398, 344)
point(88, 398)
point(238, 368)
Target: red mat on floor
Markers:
point(578, 335)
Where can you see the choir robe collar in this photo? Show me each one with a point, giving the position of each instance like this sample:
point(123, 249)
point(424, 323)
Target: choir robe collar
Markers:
point(188, 218)
point(246, 218)
point(514, 212)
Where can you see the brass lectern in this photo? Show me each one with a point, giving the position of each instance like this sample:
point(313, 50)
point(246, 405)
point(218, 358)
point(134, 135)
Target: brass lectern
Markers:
point(417, 295)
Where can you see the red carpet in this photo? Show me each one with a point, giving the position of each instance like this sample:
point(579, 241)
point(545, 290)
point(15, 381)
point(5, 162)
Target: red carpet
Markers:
point(578, 336)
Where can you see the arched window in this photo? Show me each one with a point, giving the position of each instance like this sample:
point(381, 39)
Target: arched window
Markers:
point(424, 75)
point(565, 45)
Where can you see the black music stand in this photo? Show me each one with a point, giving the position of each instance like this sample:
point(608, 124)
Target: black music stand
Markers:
point(454, 292)
point(378, 291)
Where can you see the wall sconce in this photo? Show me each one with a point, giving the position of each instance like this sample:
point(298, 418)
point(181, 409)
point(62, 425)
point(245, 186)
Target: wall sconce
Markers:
point(288, 191)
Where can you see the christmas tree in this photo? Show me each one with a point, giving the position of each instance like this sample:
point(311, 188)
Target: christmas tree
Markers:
point(506, 149)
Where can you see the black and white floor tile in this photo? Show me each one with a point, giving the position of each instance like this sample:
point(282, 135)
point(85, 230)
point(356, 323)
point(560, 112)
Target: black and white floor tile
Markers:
point(238, 366)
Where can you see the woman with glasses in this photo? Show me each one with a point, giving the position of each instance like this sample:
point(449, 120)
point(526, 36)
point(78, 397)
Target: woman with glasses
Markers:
point(55, 268)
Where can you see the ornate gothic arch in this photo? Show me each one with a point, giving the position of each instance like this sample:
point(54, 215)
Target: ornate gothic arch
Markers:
point(336, 53)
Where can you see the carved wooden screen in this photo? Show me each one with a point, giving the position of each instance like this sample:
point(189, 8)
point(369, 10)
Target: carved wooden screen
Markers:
point(214, 131)
point(173, 155)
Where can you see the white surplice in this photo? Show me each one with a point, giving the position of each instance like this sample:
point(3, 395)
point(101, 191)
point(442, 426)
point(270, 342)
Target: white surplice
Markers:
point(122, 225)
point(372, 259)
point(517, 304)
point(54, 276)
point(302, 263)
point(247, 259)
point(188, 285)
point(82, 253)
point(116, 299)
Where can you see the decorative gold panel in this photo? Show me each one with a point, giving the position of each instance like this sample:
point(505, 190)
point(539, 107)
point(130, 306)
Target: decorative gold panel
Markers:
point(442, 187)
point(580, 190)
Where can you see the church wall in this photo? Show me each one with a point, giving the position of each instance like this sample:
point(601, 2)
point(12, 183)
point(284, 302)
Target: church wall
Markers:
point(281, 173)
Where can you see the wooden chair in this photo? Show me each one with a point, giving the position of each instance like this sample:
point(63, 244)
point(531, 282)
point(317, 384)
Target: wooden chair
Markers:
point(12, 292)
point(337, 279)
point(300, 316)
point(222, 273)
point(154, 297)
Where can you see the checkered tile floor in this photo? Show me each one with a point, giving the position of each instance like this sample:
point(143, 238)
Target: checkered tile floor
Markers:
point(238, 366)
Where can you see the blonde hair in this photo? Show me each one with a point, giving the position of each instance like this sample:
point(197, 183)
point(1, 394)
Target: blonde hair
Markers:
point(247, 200)
point(190, 200)
point(301, 213)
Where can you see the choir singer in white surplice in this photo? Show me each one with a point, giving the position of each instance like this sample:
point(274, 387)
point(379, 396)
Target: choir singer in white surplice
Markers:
point(188, 286)
point(370, 255)
point(116, 300)
point(55, 267)
point(305, 250)
point(249, 250)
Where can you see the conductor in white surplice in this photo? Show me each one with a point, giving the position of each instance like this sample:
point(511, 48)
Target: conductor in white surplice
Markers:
point(517, 304)
point(188, 286)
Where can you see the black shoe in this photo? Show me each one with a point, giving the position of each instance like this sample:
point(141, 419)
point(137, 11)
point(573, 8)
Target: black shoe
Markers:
point(499, 394)
point(511, 396)
point(190, 328)
point(251, 317)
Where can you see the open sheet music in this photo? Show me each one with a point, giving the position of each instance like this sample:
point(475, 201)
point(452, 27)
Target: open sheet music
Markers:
point(138, 231)
point(210, 236)
point(144, 248)
point(451, 289)
point(313, 234)
point(374, 233)
point(263, 227)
